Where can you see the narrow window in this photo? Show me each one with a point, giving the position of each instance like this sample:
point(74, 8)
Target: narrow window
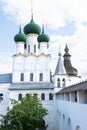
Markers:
point(75, 96)
point(50, 96)
point(1, 96)
point(42, 96)
point(34, 48)
point(58, 82)
point(31, 76)
point(19, 97)
point(63, 84)
point(41, 77)
point(22, 77)
point(28, 48)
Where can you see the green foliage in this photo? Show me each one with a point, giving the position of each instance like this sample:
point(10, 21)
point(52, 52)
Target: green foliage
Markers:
point(26, 115)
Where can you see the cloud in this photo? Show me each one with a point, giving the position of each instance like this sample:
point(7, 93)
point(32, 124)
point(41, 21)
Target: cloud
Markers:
point(5, 63)
point(55, 12)
point(77, 44)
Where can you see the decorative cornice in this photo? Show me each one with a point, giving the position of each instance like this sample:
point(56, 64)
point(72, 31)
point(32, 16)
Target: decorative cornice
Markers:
point(30, 54)
point(32, 34)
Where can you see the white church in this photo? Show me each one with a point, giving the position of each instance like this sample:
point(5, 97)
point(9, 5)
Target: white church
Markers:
point(65, 100)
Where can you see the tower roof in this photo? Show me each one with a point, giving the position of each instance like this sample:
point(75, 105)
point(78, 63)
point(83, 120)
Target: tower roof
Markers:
point(43, 37)
point(60, 70)
point(32, 28)
point(20, 37)
point(71, 71)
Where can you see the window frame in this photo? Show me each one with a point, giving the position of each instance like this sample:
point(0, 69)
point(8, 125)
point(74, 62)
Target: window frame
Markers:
point(41, 77)
point(22, 77)
point(50, 96)
point(58, 82)
point(31, 76)
point(28, 48)
point(43, 96)
point(34, 48)
point(19, 97)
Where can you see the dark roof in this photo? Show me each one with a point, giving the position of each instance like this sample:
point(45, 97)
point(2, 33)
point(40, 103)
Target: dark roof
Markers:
point(77, 87)
point(30, 86)
point(6, 78)
point(71, 71)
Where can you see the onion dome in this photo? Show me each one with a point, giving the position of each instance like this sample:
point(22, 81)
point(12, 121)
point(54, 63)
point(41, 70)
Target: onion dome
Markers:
point(66, 48)
point(66, 52)
point(71, 71)
point(32, 28)
point(20, 37)
point(43, 37)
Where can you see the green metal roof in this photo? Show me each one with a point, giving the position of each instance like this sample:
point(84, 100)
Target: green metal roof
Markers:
point(32, 28)
point(43, 37)
point(20, 37)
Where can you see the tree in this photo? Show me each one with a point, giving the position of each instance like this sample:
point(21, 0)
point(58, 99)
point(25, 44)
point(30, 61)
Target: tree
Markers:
point(26, 115)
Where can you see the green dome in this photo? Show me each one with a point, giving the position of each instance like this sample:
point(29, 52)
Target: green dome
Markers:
point(43, 37)
point(20, 37)
point(32, 27)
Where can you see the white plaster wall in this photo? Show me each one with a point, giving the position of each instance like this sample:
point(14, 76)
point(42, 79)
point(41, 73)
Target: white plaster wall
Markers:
point(61, 77)
point(43, 47)
point(72, 80)
point(32, 40)
point(76, 112)
point(31, 64)
point(82, 96)
point(20, 47)
point(5, 103)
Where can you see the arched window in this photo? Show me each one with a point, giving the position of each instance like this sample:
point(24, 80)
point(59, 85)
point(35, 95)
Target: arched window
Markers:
point(50, 96)
point(42, 96)
point(19, 96)
point(35, 94)
point(63, 82)
point(58, 82)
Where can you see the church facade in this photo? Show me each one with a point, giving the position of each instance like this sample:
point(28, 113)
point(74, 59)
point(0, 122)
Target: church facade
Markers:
point(31, 73)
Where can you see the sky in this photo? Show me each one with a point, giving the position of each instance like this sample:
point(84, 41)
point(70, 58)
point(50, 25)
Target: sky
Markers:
point(65, 21)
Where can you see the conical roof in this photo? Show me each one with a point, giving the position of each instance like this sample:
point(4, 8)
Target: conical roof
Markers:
point(60, 70)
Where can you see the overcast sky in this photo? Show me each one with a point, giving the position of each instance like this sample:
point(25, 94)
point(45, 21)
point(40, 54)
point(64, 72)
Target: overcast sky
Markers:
point(65, 22)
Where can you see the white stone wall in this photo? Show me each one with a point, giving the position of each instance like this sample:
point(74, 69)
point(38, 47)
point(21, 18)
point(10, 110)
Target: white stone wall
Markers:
point(20, 47)
point(31, 64)
point(32, 40)
point(71, 116)
point(5, 102)
point(43, 47)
